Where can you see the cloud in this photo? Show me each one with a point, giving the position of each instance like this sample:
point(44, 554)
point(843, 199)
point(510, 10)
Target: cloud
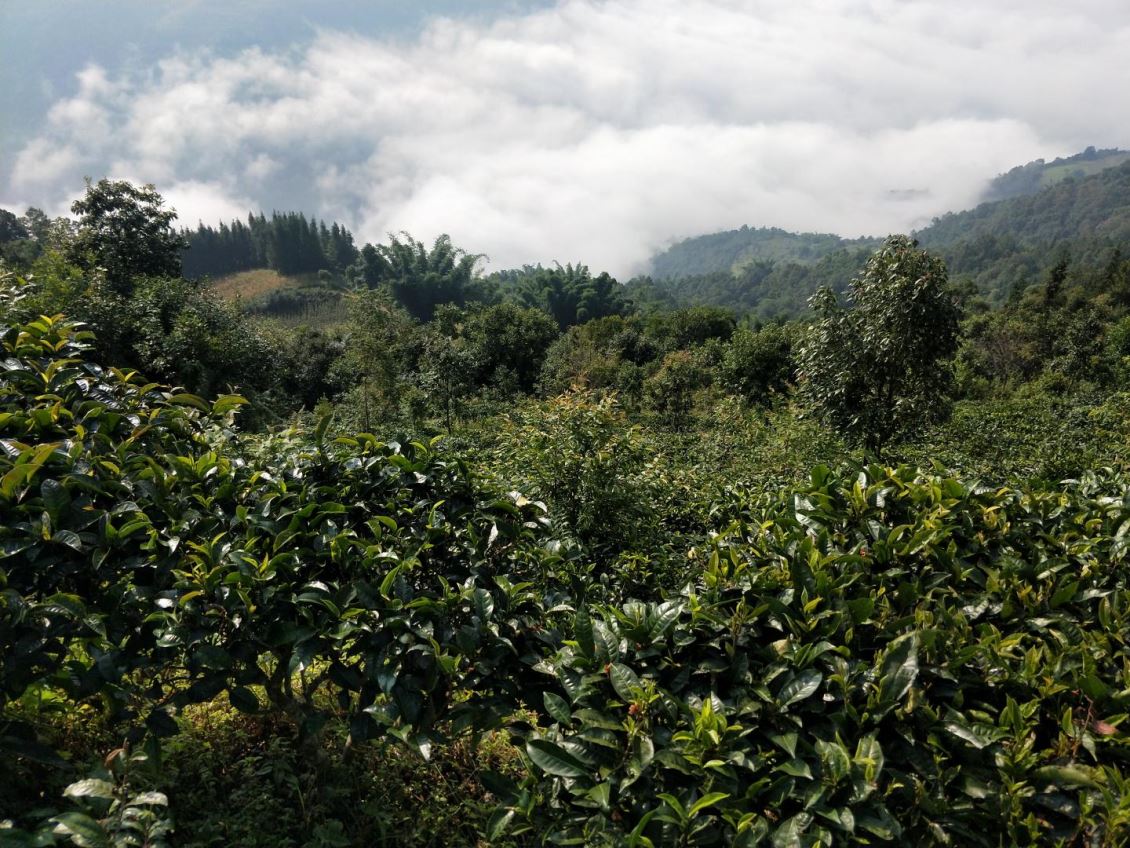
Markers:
point(600, 131)
point(204, 201)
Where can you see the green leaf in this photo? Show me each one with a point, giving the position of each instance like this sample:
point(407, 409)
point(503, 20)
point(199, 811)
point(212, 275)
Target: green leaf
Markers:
point(557, 707)
point(708, 800)
point(624, 681)
point(161, 723)
point(1064, 594)
point(860, 609)
point(15, 478)
point(186, 399)
point(320, 429)
point(498, 823)
point(243, 699)
point(484, 603)
point(869, 756)
point(553, 759)
point(666, 614)
point(795, 768)
point(804, 685)
point(68, 538)
point(390, 580)
point(226, 403)
point(881, 823)
point(636, 837)
point(791, 833)
point(674, 804)
point(642, 754)
point(90, 788)
point(834, 760)
point(600, 794)
point(1067, 776)
point(582, 626)
point(978, 738)
point(785, 741)
point(83, 831)
point(899, 669)
point(55, 497)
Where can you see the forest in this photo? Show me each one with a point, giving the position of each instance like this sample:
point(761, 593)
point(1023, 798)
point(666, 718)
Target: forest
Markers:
point(825, 545)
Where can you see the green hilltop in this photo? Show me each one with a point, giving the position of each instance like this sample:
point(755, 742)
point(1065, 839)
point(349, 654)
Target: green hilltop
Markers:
point(1080, 215)
point(1040, 174)
point(734, 250)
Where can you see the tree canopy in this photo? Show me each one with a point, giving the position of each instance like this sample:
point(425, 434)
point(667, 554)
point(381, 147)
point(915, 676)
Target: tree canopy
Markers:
point(881, 369)
point(126, 231)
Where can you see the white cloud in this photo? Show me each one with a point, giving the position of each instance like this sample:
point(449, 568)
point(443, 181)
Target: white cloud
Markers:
point(42, 164)
point(261, 167)
point(204, 201)
point(599, 131)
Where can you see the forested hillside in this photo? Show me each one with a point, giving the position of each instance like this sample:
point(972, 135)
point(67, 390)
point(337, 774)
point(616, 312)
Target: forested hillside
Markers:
point(998, 249)
point(1037, 175)
point(537, 558)
point(287, 243)
point(732, 251)
point(1093, 207)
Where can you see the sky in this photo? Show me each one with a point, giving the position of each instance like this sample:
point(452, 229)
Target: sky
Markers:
point(594, 131)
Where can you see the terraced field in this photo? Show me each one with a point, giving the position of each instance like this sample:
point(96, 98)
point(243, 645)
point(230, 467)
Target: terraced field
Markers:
point(299, 300)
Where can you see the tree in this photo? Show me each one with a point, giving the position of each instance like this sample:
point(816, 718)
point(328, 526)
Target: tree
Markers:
point(419, 279)
point(11, 228)
point(691, 326)
point(670, 392)
point(570, 293)
point(757, 365)
point(509, 343)
point(446, 373)
point(127, 232)
point(882, 369)
point(381, 348)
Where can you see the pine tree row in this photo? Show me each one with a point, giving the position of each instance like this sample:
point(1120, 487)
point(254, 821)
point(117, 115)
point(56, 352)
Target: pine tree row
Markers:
point(286, 242)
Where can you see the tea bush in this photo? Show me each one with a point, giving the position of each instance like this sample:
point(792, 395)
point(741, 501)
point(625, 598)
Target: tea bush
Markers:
point(872, 655)
point(878, 657)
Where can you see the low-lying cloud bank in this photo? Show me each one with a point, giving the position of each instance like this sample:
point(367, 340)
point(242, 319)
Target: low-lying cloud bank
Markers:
point(599, 131)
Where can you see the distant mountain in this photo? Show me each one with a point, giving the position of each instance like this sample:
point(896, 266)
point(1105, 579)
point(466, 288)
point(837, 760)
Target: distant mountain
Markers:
point(1096, 206)
point(1006, 245)
point(733, 250)
point(1000, 247)
point(1038, 175)
point(764, 287)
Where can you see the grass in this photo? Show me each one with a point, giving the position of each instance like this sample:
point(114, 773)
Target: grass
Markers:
point(321, 317)
point(1057, 173)
point(250, 284)
point(289, 301)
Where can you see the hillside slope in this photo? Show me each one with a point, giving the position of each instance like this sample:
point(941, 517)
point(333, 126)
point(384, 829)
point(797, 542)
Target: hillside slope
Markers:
point(1097, 206)
point(1038, 175)
point(999, 248)
point(733, 250)
point(299, 299)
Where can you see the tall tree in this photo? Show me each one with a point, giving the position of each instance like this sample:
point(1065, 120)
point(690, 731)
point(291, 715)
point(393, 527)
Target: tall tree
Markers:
point(570, 293)
point(881, 369)
point(421, 279)
point(127, 232)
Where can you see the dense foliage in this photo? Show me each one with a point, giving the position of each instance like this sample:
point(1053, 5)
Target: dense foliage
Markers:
point(1030, 178)
point(125, 233)
point(730, 251)
point(288, 243)
point(638, 592)
point(879, 653)
point(881, 369)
